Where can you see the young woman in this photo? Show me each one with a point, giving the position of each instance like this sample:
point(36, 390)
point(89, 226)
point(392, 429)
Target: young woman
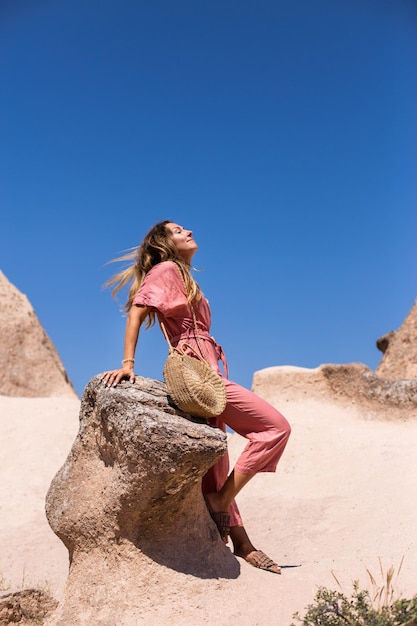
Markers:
point(162, 286)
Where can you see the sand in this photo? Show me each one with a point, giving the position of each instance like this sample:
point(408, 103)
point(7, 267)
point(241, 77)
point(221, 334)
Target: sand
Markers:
point(343, 500)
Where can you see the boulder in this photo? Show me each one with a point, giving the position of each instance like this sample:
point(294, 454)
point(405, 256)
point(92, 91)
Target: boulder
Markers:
point(29, 362)
point(127, 504)
point(399, 348)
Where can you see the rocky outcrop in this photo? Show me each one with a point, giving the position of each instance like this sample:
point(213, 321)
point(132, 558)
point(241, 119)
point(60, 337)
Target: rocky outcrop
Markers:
point(389, 392)
point(29, 363)
point(346, 385)
point(27, 607)
point(400, 350)
point(128, 505)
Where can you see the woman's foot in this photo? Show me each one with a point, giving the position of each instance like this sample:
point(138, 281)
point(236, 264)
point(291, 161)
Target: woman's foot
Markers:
point(220, 517)
point(259, 559)
point(222, 521)
point(243, 547)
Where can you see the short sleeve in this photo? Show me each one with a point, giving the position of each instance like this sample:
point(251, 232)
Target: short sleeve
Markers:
point(162, 290)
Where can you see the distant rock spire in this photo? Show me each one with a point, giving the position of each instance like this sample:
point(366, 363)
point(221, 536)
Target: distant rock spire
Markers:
point(400, 350)
point(29, 363)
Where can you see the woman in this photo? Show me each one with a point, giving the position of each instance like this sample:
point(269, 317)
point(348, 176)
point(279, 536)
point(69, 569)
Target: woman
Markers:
point(161, 286)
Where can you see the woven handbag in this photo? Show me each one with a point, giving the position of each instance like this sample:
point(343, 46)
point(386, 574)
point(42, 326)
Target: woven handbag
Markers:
point(191, 382)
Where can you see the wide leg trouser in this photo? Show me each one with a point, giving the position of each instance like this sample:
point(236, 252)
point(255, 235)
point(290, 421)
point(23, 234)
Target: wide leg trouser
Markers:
point(266, 430)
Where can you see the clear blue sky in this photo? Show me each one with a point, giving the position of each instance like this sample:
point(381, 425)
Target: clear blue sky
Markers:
point(283, 133)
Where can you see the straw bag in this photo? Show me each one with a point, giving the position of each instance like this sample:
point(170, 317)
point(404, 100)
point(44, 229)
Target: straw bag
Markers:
point(191, 382)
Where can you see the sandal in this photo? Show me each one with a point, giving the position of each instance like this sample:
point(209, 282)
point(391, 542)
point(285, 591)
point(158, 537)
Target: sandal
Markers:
point(259, 559)
point(222, 521)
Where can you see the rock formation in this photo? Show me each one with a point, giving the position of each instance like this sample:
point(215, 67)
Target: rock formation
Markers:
point(128, 505)
point(29, 363)
point(400, 350)
point(389, 392)
point(345, 385)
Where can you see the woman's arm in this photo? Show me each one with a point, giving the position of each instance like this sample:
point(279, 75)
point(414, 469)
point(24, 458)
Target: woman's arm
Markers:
point(135, 319)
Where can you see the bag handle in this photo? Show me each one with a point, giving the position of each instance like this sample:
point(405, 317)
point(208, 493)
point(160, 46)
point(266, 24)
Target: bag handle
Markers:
point(177, 349)
point(171, 348)
point(197, 336)
point(203, 355)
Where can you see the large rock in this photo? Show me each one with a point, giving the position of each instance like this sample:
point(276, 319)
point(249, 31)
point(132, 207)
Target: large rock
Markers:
point(400, 350)
point(29, 362)
point(128, 505)
point(351, 384)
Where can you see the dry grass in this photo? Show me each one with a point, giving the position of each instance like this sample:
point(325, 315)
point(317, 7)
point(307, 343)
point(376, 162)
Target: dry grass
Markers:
point(380, 605)
point(385, 592)
point(3, 584)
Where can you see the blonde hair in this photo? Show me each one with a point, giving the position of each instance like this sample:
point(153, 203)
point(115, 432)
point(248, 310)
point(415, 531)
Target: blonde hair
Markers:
point(157, 246)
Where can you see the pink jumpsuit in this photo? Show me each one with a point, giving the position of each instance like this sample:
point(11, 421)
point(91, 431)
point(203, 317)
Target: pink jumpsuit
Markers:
point(266, 430)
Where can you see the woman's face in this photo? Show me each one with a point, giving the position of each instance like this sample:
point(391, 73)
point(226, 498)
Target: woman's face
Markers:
point(183, 240)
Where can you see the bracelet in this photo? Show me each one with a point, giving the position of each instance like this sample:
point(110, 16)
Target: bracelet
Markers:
point(127, 360)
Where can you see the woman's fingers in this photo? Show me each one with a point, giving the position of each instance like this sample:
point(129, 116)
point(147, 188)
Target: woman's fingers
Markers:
point(108, 378)
point(112, 378)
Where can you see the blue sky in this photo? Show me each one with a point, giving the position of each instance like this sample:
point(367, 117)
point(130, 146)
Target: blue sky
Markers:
point(282, 133)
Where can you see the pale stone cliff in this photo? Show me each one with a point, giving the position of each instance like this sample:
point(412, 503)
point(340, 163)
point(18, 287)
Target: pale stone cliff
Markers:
point(29, 363)
point(400, 349)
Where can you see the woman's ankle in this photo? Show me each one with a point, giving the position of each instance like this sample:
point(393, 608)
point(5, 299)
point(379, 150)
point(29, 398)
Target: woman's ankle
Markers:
point(215, 502)
point(242, 545)
point(243, 549)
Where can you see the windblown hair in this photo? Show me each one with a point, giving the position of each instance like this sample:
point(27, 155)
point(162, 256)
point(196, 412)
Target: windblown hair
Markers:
point(157, 246)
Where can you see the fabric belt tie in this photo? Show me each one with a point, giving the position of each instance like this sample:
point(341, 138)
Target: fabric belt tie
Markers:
point(206, 337)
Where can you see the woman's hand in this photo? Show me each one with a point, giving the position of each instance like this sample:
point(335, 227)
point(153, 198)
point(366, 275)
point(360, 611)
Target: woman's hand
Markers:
point(135, 318)
point(111, 379)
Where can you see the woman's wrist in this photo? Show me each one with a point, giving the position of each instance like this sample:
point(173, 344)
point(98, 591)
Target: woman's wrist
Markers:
point(128, 360)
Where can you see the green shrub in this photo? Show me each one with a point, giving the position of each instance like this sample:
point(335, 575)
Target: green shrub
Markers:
point(333, 608)
point(379, 607)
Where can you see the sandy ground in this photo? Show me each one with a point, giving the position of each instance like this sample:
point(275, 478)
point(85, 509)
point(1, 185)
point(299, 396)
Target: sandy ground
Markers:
point(343, 500)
